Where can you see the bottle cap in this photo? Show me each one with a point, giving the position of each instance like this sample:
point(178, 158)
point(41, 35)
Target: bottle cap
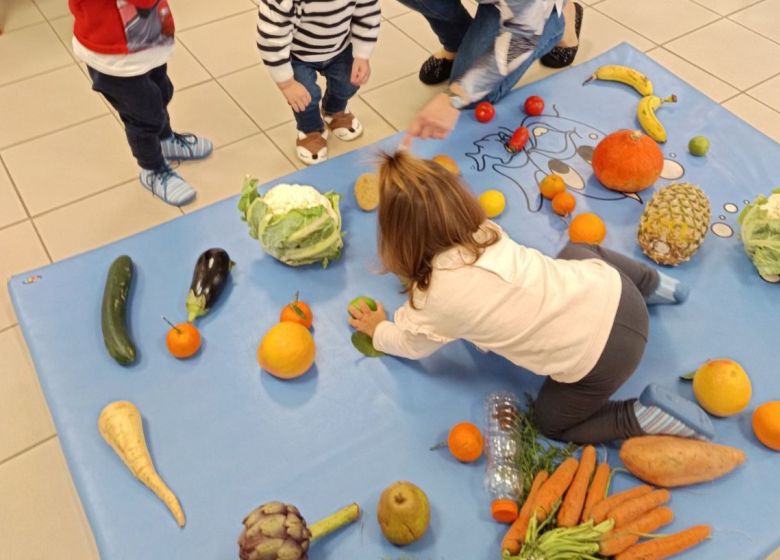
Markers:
point(504, 511)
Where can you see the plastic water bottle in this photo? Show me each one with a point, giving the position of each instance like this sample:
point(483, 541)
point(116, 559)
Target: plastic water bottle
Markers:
point(502, 477)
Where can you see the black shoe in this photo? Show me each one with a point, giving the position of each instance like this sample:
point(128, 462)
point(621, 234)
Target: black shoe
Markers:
point(559, 57)
point(435, 70)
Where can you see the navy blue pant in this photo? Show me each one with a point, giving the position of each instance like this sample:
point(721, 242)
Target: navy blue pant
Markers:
point(142, 104)
point(338, 88)
point(473, 38)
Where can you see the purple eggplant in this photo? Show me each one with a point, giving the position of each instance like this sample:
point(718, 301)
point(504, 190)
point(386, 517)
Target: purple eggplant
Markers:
point(208, 280)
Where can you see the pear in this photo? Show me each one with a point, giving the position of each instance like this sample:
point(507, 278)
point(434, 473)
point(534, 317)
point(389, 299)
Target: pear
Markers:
point(403, 513)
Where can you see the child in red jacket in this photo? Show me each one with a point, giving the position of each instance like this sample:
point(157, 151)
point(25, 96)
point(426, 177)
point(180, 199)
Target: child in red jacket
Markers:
point(126, 45)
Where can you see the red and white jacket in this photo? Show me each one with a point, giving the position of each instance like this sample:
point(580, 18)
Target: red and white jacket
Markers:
point(122, 38)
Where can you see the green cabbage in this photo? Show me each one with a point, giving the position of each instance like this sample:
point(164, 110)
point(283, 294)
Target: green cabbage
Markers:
point(294, 223)
point(760, 232)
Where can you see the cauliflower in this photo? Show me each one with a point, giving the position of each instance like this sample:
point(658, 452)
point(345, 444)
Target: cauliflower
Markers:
point(295, 224)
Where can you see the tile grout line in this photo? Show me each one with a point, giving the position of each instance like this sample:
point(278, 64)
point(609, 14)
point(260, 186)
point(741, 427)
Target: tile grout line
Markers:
point(691, 31)
point(241, 108)
point(36, 75)
point(27, 449)
point(14, 223)
point(381, 116)
point(402, 32)
point(726, 100)
point(9, 327)
point(733, 12)
point(745, 27)
point(26, 208)
point(52, 131)
point(180, 30)
point(613, 20)
point(757, 100)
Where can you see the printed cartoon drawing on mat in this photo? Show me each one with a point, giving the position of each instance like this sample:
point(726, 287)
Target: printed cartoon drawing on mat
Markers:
point(558, 145)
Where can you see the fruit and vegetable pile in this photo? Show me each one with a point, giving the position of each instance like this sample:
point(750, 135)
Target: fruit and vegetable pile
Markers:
point(566, 508)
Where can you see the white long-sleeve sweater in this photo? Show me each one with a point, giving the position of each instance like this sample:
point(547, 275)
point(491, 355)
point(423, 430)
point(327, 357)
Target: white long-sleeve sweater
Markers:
point(314, 31)
point(550, 316)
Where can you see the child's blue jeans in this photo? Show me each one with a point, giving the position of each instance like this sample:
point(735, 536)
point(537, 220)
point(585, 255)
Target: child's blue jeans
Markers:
point(472, 38)
point(338, 88)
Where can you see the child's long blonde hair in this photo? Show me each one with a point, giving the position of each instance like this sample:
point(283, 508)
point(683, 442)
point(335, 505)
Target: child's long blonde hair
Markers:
point(423, 211)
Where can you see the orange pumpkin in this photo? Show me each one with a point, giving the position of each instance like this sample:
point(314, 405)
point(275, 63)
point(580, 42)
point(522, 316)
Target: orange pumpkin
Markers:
point(627, 161)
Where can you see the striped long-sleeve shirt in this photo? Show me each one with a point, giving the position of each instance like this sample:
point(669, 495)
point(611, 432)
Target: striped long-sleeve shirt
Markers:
point(314, 31)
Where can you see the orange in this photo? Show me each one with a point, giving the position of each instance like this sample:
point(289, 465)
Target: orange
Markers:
point(447, 163)
point(587, 228)
point(551, 185)
point(722, 387)
point(297, 311)
point(563, 203)
point(465, 442)
point(766, 424)
point(183, 340)
point(287, 350)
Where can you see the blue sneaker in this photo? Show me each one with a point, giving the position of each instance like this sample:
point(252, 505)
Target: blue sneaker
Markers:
point(661, 411)
point(168, 185)
point(669, 291)
point(185, 146)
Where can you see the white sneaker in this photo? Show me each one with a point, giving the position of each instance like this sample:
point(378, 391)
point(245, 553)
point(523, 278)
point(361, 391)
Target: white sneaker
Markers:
point(168, 185)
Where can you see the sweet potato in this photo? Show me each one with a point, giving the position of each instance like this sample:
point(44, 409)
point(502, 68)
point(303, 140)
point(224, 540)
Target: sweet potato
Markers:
point(670, 461)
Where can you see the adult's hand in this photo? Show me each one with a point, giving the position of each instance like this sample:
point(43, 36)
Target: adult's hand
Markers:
point(435, 120)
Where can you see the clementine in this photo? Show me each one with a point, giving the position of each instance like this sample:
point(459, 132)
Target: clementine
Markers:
point(563, 203)
point(587, 228)
point(766, 424)
point(447, 163)
point(183, 340)
point(465, 442)
point(551, 185)
point(297, 311)
point(287, 350)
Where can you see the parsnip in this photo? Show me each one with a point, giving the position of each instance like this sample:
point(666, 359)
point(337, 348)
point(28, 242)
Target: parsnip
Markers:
point(120, 425)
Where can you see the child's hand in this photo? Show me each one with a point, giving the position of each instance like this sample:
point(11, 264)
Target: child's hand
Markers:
point(365, 320)
point(361, 71)
point(296, 94)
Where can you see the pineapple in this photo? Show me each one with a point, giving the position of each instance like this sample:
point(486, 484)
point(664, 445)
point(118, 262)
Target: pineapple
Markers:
point(674, 223)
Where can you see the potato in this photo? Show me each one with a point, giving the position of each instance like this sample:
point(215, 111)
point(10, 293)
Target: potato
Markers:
point(367, 191)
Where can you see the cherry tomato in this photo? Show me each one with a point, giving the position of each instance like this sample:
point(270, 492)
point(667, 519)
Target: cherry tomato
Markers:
point(484, 112)
point(534, 106)
point(518, 140)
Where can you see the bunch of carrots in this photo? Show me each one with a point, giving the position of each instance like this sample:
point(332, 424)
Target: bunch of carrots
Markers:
point(574, 497)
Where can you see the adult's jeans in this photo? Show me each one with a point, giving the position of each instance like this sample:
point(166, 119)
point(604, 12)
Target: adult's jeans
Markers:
point(473, 38)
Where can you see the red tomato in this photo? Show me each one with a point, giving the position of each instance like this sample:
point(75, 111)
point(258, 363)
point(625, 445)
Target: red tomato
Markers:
point(484, 112)
point(518, 140)
point(534, 106)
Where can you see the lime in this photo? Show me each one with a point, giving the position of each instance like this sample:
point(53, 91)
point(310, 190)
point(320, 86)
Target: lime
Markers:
point(493, 202)
point(369, 302)
point(699, 145)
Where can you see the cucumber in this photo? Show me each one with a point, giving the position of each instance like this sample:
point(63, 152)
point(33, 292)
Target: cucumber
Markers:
point(115, 335)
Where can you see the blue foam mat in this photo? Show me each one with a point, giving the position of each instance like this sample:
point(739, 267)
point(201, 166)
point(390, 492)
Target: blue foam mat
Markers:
point(227, 437)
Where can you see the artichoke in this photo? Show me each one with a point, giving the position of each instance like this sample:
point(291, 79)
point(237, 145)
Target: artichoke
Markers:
point(274, 531)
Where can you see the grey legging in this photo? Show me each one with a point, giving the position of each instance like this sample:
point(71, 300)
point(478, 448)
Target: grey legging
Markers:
point(582, 412)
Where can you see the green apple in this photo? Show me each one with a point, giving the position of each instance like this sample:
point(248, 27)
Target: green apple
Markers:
point(699, 145)
point(369, 302)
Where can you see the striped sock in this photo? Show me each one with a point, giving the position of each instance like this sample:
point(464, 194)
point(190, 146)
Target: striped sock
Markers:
point(653, 420)
point(669, 290)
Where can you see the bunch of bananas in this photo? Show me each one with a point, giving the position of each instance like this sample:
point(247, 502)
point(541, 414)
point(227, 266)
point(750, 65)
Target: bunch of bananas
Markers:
point(647, 106)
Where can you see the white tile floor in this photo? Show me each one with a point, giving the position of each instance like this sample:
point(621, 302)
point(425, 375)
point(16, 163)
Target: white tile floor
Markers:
point(68, 183)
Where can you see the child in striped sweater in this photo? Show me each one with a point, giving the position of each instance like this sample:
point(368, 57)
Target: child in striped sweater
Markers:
point(299, 39)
